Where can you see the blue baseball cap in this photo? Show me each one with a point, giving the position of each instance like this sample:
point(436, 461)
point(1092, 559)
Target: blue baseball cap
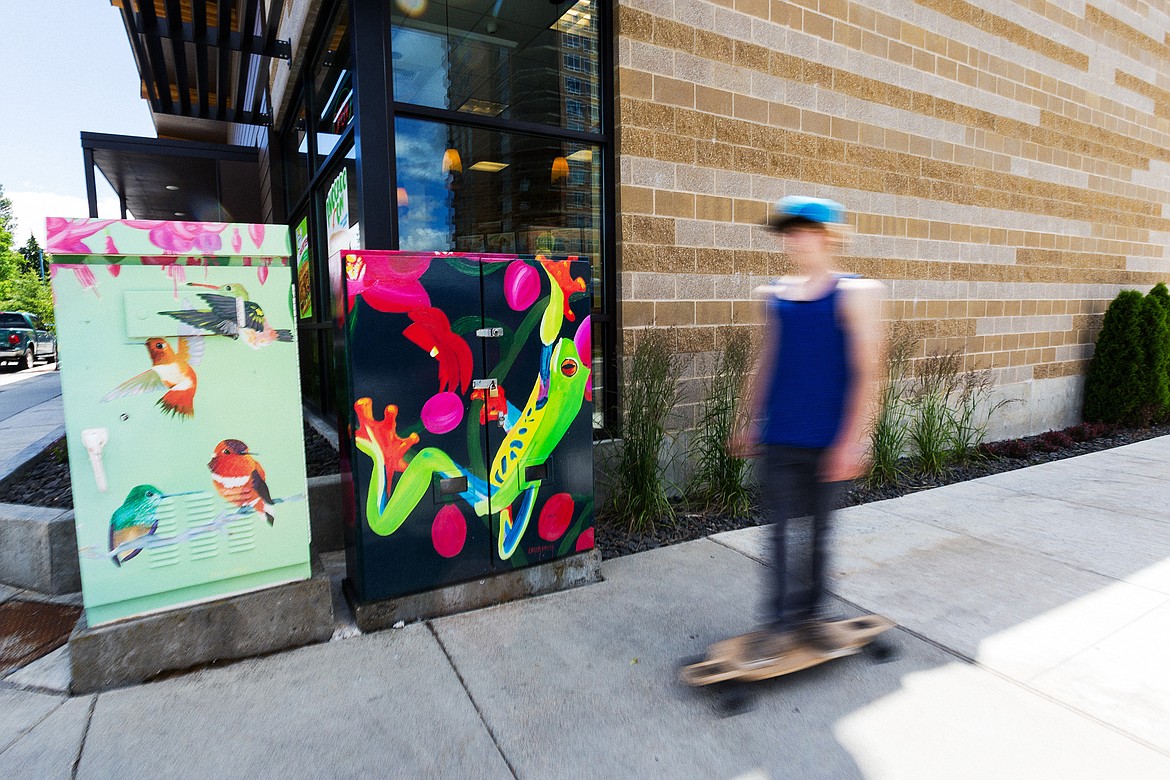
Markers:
point(794, 210)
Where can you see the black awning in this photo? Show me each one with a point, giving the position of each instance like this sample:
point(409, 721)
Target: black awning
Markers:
point(206, 59)
point(159, 178)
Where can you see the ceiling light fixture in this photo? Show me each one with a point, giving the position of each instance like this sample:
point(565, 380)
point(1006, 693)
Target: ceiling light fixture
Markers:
point(488, 166)
point(560, 169)
point(172, 187)
point(452, 162)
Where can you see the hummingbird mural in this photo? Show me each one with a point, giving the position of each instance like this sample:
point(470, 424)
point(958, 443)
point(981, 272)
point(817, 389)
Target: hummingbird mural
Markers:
point(239, 478)
point(171, 371)
point(232, 313)
point(136, 518)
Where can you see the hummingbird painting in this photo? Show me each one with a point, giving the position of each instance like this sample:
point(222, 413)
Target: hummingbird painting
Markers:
point(233, 314)
point(171, 371)
point(239, 478)
point(136, 518)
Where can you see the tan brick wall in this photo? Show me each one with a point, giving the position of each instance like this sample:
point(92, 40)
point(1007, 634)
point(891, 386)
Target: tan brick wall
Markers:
point(1006, 170)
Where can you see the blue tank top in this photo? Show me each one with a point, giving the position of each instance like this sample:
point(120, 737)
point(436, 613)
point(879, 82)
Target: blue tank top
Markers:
point(810, 373)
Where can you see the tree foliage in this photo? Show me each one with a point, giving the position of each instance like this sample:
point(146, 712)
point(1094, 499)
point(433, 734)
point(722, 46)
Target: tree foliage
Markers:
point(31, 252)
point(21, 287)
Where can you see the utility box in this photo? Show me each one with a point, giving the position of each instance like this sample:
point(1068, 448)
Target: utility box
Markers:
point(182, 410)
point(466, 392)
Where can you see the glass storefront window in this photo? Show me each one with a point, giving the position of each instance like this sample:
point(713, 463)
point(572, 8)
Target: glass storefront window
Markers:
point(527, 60)
point(341, 206)
point(475, 190)
point(296, 156)
point(333, 85)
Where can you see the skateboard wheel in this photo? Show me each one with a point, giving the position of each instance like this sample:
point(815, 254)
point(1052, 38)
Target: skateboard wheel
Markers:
point(881, 651)
point(734, 698)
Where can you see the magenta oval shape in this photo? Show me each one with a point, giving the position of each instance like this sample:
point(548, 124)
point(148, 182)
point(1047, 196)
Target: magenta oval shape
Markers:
point(555, 516)
point(521, 285)
point(449, 531)
point(442, 412)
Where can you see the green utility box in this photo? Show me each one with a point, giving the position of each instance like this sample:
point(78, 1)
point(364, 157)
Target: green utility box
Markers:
point(182, 410)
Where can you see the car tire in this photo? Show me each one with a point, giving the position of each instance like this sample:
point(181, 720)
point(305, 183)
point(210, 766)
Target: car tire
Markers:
point(27, 359)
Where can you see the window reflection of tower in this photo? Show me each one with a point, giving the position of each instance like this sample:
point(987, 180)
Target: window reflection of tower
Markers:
point(577, 44)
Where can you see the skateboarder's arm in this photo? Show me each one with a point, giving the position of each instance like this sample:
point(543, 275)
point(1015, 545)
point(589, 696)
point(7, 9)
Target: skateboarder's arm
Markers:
point(745, 435)
point(864, 327)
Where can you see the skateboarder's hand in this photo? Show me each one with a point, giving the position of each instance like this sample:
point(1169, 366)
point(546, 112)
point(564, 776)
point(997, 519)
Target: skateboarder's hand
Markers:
point(742, 444)
point(844, 461)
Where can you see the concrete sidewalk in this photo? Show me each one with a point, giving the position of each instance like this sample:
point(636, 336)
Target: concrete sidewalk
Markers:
point(1034, 608)
point(31, 415)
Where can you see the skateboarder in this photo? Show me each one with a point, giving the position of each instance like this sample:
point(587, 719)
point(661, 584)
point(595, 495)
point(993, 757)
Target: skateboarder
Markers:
point(809, 402)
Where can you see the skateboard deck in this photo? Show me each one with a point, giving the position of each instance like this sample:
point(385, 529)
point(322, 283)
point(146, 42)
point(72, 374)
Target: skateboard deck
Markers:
point(733, 659)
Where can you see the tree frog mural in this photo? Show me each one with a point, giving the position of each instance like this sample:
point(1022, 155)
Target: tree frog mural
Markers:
point(460, 338)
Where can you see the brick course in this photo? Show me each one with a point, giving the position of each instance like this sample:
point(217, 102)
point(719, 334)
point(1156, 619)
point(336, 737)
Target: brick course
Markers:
point(1006, 171)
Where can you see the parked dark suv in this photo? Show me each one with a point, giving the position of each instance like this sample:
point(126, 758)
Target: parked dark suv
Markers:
point(24, 339)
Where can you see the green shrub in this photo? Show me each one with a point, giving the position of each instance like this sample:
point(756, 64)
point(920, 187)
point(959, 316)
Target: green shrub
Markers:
point(970, 414)
point(650, 389)
point(1160, 294)
point(1114, 381)
point(718, 482)
point(1155, 339)
point(931, 418)
point(887, 439)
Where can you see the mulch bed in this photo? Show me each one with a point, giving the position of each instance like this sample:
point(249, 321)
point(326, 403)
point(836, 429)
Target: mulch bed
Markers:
point(615, 541)
point(31, 629)
point(45, 481)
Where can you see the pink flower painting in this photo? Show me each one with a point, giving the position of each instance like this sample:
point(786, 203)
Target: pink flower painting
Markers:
point(64, 236)
point(388, 283)
point(183, 237)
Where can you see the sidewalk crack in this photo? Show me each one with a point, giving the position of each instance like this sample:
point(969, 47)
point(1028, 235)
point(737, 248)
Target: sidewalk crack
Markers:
point(84, 736)
point(471, 698)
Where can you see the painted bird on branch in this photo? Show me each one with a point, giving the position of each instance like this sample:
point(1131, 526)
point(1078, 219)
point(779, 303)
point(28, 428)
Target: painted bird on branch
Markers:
point(135, 519)
point(240, 479)
point(233, 314)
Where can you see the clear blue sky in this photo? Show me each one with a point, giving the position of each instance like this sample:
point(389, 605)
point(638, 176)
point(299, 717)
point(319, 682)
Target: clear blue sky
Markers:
point(65, 66)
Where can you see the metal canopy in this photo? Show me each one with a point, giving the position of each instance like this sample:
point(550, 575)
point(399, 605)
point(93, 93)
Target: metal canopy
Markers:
point(157, 178)
point(206, 59)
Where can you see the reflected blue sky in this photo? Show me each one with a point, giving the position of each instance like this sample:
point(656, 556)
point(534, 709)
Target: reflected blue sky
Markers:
point(427, 222)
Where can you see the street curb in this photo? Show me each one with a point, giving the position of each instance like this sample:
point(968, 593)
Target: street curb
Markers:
point(17, 464)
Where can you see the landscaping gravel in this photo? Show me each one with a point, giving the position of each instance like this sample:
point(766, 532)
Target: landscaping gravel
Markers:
point(614, 540)
point(45, 480)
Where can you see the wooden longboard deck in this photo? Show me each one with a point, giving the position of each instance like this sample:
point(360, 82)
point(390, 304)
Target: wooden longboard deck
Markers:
point(730, 659)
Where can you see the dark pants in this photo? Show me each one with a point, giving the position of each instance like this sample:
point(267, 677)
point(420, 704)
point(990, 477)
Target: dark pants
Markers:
point(798, 504)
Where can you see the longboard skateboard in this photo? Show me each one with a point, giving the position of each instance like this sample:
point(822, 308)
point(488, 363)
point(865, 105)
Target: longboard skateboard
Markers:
point(733, 660)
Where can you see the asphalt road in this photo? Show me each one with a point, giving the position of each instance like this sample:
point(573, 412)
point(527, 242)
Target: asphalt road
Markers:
point(22, 390)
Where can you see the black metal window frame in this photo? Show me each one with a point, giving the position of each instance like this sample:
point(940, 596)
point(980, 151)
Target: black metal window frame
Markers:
point(309, 202)
point(372, 23)
point(371, 136)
